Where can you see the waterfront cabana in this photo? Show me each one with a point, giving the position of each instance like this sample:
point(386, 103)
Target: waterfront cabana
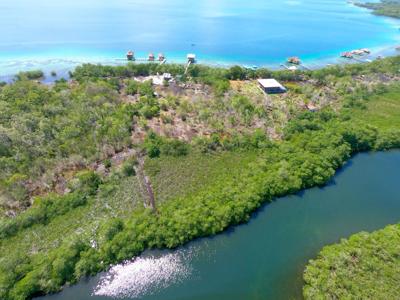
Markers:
point(151, 57)
point(161, 57)
point(130, 55)
point(294, 60)
point(347, 55)
point(191, 58)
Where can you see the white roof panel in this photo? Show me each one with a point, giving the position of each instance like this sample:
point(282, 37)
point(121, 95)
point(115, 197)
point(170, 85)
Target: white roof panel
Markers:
point(270, 83)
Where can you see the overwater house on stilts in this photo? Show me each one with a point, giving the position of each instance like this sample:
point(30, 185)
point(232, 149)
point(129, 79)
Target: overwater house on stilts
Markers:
point(294, 60)
point(347, 55)
point(191, 58)
point(151, 57)
point(130, 55)
point(161, 57)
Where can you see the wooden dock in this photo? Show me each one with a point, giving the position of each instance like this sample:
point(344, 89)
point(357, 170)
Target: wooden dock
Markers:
point(187, 67)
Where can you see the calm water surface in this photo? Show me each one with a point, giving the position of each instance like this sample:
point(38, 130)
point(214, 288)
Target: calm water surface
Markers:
point(265, 258)
point(58, 34)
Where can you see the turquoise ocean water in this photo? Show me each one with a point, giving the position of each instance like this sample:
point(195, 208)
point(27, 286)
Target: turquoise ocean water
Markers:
point(60, 34)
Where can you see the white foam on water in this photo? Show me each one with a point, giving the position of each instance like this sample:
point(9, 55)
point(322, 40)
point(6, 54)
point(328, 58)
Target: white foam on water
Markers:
point(144, 276)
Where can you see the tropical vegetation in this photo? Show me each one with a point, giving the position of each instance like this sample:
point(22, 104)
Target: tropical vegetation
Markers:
point(78, 157)
point(365, 266)
point(390, 8)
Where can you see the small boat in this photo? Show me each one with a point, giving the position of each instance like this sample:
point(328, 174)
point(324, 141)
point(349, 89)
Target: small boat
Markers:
point(294, 60)
point(346, 55)
point(130, 55)
point(151, 57)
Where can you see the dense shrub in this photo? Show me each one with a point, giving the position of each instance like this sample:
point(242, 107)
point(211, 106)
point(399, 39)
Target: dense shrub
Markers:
point(40, 126)
point(174, 147)
point(85, 182)
point(128, 167)
point(156, 146)
point(30, 75)
point(365, 266)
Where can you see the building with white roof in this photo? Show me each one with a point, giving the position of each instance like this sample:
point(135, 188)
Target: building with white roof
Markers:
point(271, 86)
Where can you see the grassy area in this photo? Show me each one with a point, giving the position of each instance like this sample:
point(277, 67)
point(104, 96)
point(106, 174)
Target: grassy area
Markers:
point(365, 266)
point(82, 222)
point(382, 111)
point(174, 177)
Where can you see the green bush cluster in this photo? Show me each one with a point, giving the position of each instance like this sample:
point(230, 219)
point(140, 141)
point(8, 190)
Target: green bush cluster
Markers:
point(48, 207)
point(89, 72)
point(128, 167)
point(390, 8)
point(365, 266)
point(30, 75)
point(134, 87)
point(148, 107)
point(216, 142)
point(42, 126)
point(155, 146)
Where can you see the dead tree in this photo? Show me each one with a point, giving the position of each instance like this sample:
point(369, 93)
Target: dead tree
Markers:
point(145, 183)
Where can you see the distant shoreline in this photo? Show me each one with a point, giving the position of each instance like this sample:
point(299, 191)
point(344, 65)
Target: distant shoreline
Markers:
point(62, 66)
